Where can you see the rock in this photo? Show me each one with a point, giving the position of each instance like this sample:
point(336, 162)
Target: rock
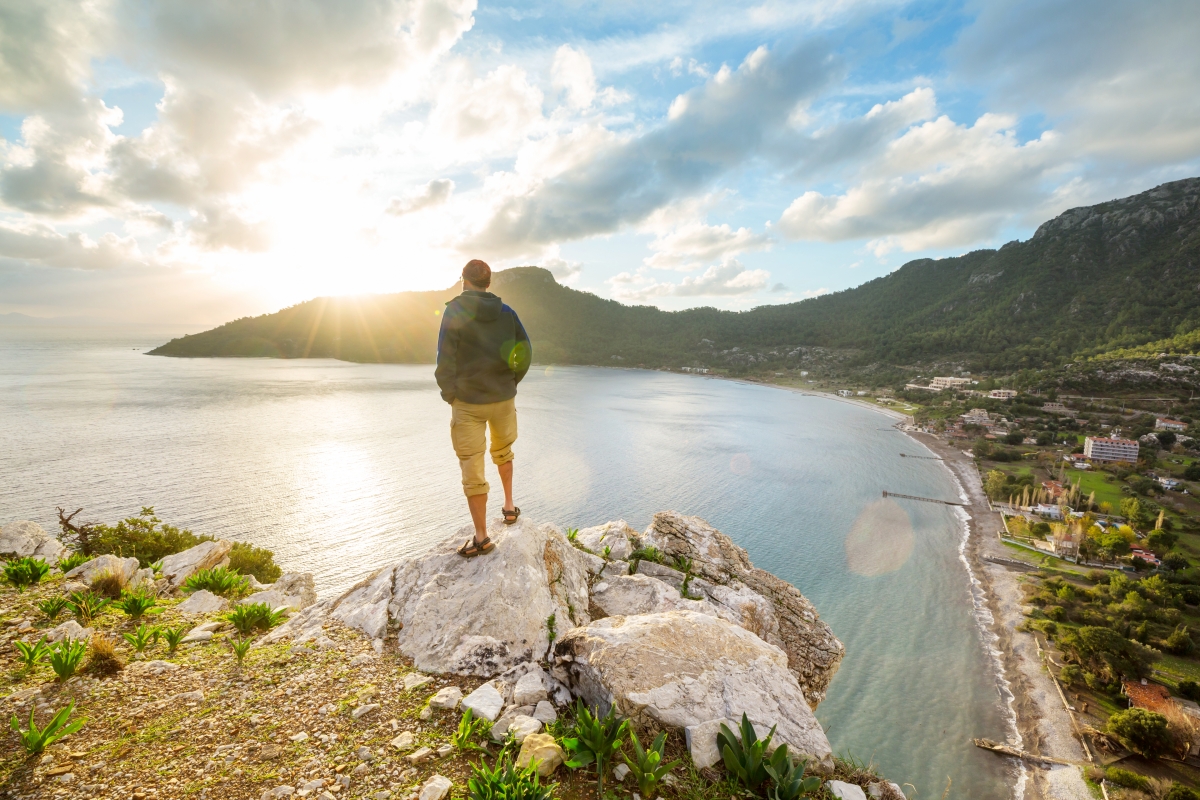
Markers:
point(680, 669)
point(445, 750)
point(500, 726)
point(702, 741)
point(362, 658)
point(436, 787)
point(545, 713)
point(143, 581)
point(364, 754)
point(792, 624)
point(522, 726)
point(70, 630)
point(383, 794)
point(615, 535)
point(107, 564)
point(377, 646)
point(542, 748)
point(151, 667)
point(25, 538)
point(302, 736)
point(178, 567)
point(313, 786)
point(622, 595)
point(415, 680)
point(198, 636)
point(845, 791)
point(621, 772)
point(203, 602)
point(295, 590)
point(362, 711)
point(419, 756)
point(188, 697)
point(447, 698)
point(879, 791)
point(425, 713)
point(277, 792)
point(530, 689)
point(485, 702)
point(404, 741)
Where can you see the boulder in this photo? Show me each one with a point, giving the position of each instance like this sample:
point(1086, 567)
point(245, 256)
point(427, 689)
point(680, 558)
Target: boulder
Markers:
point(541, 748)
point(544, 712)
point(615, 535)
point(845, 791)
point(203, 602)
point(107, 564)
point(295, 590)
point(178, 567)
point(447, 698)
point(702, 742)
point(680, 668)
point(69, 630)
point(25, 538)
point(522, 726)
point(622, 595)
point(777, 612)
point(436, 787)
point(530, 689)
point(485, 702)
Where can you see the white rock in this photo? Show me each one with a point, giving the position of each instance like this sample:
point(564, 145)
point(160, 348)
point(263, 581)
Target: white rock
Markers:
point(178, 567)
point(485, 702)
point(846, 791)
point(71, 630)
point(295, 590)
point(142, 580)
point(89, 571)
point(545, 712)
point(198, 636)
point(302, 736)
point(365, 753)
point(621, 771)
point(436, 787)
point(404, 741)
point(500, 726)
point(415, 680)
point(362, 658)
point(615, 535)
point(447, 698)
point(155, 667)
point(419, 756)
point(875, 790)
point(277, 792)
point(530, 689)
point(445, 750)
point(313, 786)
point(24, 538)
point(623, 595)
point(680, 668)
point(702, 741)
point(203, 602)
point(377, 645)
point(362, 711)
point(541, 748)
point(187, 697)
point(522, 726)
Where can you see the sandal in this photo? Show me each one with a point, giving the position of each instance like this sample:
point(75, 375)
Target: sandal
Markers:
point(472, 548)
point(511, 516)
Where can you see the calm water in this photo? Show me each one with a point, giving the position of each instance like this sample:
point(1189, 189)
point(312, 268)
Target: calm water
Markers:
point(341, 468)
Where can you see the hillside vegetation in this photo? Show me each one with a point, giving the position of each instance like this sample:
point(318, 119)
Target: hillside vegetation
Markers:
point(1121, 274)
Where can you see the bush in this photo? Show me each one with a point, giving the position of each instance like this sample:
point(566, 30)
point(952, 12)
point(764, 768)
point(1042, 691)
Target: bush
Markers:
point(257, 561)
point(1189, 690)
point(1055, 613)
point(143, 537)
point(246, 618)
point(102, 656)
point(68, 563)
point(217, 580)
point(1181, 792)
point(1180, 642)
point(109, 584)
point(22, 572)
point(1070, 674)
point(1126, 779)
point(1176, 562)
point(1141, 731)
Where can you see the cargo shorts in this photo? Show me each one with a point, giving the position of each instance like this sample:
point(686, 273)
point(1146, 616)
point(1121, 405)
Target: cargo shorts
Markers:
point(467, 425)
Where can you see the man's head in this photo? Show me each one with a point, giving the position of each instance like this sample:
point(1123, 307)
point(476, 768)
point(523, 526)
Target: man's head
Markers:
point(477, 274)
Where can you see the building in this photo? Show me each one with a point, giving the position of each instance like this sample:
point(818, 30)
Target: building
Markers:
point(1048, 510)
point(844, 393)
point(1170, 484)
point(1164, 424)
point(976, 416)
point(1002, 394)
point(1150, 696)
point(1054, 489)
point(1057, 408)
point(1144, 555)
point(1101, 449)
point(1066, 544)
point(940, 384)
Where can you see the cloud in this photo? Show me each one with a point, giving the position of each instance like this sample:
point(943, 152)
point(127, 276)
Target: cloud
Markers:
point(572, 73)
point(45, 52)
point(41, 244)
point(434, 193)
point(474, 118)
point(220, 228)
point(729, 279)
point(563, 271)
point(692, 245)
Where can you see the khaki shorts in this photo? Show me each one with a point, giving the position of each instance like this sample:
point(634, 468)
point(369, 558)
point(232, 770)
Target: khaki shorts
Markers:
point(467, 423)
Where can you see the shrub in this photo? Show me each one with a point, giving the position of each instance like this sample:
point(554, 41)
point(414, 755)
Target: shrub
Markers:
point(1180, 642)
point(1189, 690)
point(70, 562)
point(1070, 674)
point(249, 616)
point(143, 537)
point(247, 559)
point(1140, 731)
point(135, 604)
point(1175, 562)
point(52, 607)
point(647, 767)
point(1180, 792)
point(217, 580)
point(22, 572)
point(595, 739)
point(1127, 779)
point(65, 658)
point(35, 739)
point(109, 584)
point(1055, 613)
point(102, 656)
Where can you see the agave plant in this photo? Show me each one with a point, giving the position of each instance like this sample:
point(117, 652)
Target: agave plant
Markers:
point(52, 607)
point(22, 572)
point(646, 765)
point(218, 580)
point(32, 654)
point(240, 648)
point(70, 562)
point(136, 604)
point(596, 740)
point(468, 729)
point(507, 782)
point(140, 638)
point(790, 783)
point(35, 739)
point(66, 656)
point(87, 605)
point(251, 616)
point(173, 636)
point(744, 758)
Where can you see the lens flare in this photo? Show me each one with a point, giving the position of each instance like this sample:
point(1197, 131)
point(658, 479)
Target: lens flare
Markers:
point(880, 541)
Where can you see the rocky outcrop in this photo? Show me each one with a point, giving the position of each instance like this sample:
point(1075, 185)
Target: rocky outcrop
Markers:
point(679, 668)
point(786, 618)
point(177, 568)
point(296, 590)
point(621, 595)
point(28, 539)
point(106, 564)
point(617, 536)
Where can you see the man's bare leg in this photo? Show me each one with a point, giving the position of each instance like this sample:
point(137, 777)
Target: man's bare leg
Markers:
point(506, 470)
point(478, 505)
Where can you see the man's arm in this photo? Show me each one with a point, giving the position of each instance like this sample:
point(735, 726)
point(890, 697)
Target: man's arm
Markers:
point(522, 355)
point(447, 357)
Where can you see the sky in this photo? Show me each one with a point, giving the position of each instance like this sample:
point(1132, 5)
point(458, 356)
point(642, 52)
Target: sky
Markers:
point(190, 163)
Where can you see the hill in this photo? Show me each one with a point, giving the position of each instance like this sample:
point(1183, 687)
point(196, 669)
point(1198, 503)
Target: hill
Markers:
point(1120, 274)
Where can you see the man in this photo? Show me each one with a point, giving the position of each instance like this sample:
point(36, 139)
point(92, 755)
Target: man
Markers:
point(483, 353)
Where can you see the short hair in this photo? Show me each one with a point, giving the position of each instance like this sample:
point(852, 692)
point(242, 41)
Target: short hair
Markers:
point(478, 273)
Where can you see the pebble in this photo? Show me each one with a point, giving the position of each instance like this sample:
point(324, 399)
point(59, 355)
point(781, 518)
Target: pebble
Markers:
point(300, 737)
point(278, 791)
point(621, 771)
point(378, 645)
point(404, 741)
point(426, 713)
point(202, 637)
point(361, 658)
point(416, 680)
point(364, 754)
point(362, 711)
point(420, 756)
point(445, 750)
point(328, 708)
point(447, 698)
point(383, 795)
point(361, 770)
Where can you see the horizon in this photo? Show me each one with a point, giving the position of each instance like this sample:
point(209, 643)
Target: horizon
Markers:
point(191, 165)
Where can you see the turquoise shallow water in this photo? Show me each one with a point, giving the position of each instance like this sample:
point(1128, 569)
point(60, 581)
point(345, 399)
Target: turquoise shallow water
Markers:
point(343, 467)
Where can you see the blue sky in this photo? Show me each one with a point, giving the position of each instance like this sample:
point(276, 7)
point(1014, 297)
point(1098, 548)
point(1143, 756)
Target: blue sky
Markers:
point(184, 162)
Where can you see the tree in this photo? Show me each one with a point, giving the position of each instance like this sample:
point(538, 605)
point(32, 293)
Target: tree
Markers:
point(1014, 438)
point(1192, 472)
point(1106, 653)
point(1161, 541)
point(1070, 675)
point(1189, 690)
point(1180, 642)
point(1166, 439)
point(994, 484)
point(1141, 731)
point(1175, 562)
point(1131, 509)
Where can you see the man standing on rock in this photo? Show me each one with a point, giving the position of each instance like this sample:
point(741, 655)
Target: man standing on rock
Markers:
point(483, 353)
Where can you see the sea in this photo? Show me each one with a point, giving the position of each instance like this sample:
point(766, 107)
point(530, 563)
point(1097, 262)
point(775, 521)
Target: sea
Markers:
point(342, 468)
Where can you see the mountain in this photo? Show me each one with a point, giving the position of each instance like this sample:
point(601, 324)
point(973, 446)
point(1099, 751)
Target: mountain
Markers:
point(1121, 274)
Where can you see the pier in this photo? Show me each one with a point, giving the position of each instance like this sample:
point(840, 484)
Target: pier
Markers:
point(886, 493)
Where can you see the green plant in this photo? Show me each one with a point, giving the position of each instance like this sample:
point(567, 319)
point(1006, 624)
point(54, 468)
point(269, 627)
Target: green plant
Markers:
point(572, 534)
point(250, 616)
point(646, 765)
point(790, 783)
point(157, 567)
point(606, 553)
point(70, 562)
point(25, 571)
point(468, 728)
point(140, 638)
point(86, 605)
point(507, 782)
point(52, 607)
point(65, 658)
point(31, 654)
point(173, 636)
point(683, 564)
point(744, 758)
point(1180, 792)
point(240, 648)
point(246, 559)
point(1141, 731)
point(135, 604)
point(595, 739)
point(1127, 779)
point(550, 623)
point(36, 739)
point(217, 580)
point(640, 554)
point(1189, 690)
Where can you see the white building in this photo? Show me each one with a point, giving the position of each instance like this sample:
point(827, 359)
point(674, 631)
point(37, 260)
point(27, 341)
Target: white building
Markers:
point(1164, 424)
point(1101, 449)
point(844, 393)
point(1048, 510)
point(1057, 408)
point(977, 416)
point(1002, 394)
point(939, 384)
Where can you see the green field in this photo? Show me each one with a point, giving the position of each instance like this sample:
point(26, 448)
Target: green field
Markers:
point(1093, 481)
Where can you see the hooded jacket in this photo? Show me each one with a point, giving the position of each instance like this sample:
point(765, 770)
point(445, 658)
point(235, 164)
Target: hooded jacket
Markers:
point(483, 350)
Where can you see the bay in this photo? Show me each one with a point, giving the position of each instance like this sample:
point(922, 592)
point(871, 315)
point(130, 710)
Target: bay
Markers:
point(341, 468)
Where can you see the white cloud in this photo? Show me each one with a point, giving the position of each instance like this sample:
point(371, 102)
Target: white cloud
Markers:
point(434, 193)
point(572, 73)
point(564, 271)
point(692, 245)
point(474, 118)
point(45, 51)
point(41, 244)
point(729, 279)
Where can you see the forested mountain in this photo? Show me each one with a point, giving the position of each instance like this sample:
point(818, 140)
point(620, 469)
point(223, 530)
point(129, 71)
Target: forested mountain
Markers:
point(1121, 274)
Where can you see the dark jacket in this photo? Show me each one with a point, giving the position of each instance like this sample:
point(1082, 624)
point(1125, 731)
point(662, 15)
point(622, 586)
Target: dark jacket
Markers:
point(483, 350)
